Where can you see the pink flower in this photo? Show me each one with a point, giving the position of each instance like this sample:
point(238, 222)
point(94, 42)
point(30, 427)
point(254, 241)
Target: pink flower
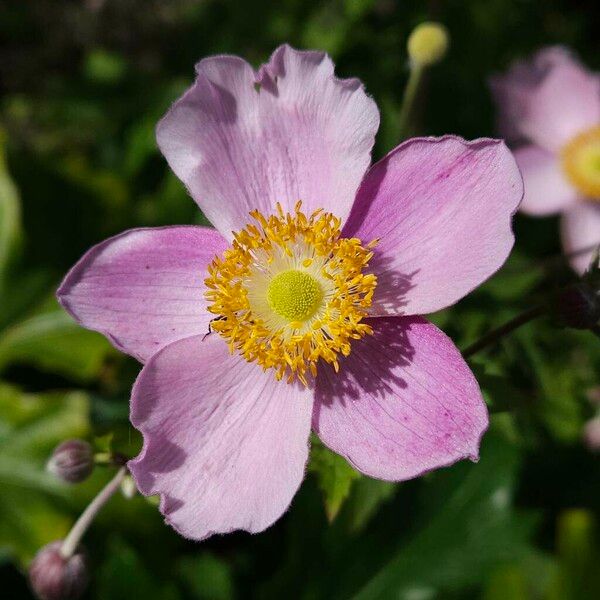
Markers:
point(226, 425)
point(551, 106)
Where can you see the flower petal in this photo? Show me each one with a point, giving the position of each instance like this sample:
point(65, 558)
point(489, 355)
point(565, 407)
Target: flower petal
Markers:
point(225, 445)
point(404, 402)
point(144, 288)
point(442, 208)
point(513, 89)
point(580, 230)
point(564, 104)
point(242, 140)
point(547, 190)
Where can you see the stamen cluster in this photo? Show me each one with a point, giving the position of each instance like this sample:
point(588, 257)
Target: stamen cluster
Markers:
point(239, 290)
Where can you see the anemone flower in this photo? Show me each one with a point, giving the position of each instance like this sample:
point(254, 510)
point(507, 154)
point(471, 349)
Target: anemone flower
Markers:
point(550, 106)
point(311, 285)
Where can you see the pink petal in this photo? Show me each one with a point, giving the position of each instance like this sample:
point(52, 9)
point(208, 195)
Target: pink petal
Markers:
point(547, 190)
point(144, 288)
point(304, 135)
point(513, 89)
point(442, 208)
point(566, 103)
point(580, 230)
point(225, 445)
point(404, 403)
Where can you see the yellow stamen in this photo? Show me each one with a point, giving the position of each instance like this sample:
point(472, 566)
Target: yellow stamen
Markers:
point(291, 292)
point(581, 162)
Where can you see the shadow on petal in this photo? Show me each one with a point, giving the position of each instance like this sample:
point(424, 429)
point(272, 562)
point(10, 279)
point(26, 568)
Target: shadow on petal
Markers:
point(158, 456)
point(392, 286)
point(389, 347)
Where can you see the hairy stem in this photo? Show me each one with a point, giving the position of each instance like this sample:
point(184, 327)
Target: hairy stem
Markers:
point(88, 515)
point(496, 334)
point(408, 101)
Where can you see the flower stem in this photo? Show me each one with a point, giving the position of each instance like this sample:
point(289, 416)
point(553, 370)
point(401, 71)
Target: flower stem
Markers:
point(114, 459)
point(87, 516)
point(498, 333)
point(408, 101)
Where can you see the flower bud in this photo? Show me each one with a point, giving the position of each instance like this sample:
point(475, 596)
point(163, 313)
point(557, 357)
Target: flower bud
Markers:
point(578, 306)
point(128, 487)
point(54, 577)
point(591, 434)
point(428, 43)
point(72, 461)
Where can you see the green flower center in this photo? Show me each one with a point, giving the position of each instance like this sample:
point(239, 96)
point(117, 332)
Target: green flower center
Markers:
point(294, 295)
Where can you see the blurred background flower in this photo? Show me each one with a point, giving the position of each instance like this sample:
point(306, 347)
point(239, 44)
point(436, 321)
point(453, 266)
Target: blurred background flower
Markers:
point(549, 107)
point(83, 85)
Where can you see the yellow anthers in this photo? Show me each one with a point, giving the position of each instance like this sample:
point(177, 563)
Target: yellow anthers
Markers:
point(428, 43)
point(581, 162)
point(290, 292)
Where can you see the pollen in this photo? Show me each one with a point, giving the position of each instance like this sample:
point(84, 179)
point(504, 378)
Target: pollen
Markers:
point(290, 292)
point(294, 295)
point(581, 162)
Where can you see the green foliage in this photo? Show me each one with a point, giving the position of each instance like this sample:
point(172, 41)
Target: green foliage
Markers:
point(472, 527)
point(84, 85)
point(334, 474)
point(577, 576)
point(123, 576)
point(507, 583)
point(31, 425)
point(52, 341)
point(10, 219)
point(207, 577)
point(104, 67)
point(367, 496)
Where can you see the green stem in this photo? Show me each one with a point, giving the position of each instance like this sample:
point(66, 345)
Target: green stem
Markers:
point(408, 101)
point(72, 540)
point(110, 459)
point(496, 334)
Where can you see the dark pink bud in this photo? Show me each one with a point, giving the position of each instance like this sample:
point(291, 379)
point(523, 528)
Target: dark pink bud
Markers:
point(591, 434)
point(72, 461)
point(54, 577)
point(578, 306)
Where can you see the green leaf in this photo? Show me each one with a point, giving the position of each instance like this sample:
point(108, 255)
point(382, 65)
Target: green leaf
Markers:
point(140, 144)
point(207, 576)
point(507, 583)
point(31, 426)
point(366, 497)
point(526, 578)
point(104, 67)
point(471, 528)
point(26, 289)
point(103, 443)
point(123, 576)
point(334, 475)
point(515, 280)
point(10, 218)
point(53, 341)
point(559, 387)
point(499, 391)
point(577, 576)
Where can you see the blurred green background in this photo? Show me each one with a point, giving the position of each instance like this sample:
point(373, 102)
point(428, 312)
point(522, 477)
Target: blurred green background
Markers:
point(83, 85)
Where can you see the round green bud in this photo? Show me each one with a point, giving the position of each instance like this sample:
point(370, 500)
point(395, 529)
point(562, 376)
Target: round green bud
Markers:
point(428, 43)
